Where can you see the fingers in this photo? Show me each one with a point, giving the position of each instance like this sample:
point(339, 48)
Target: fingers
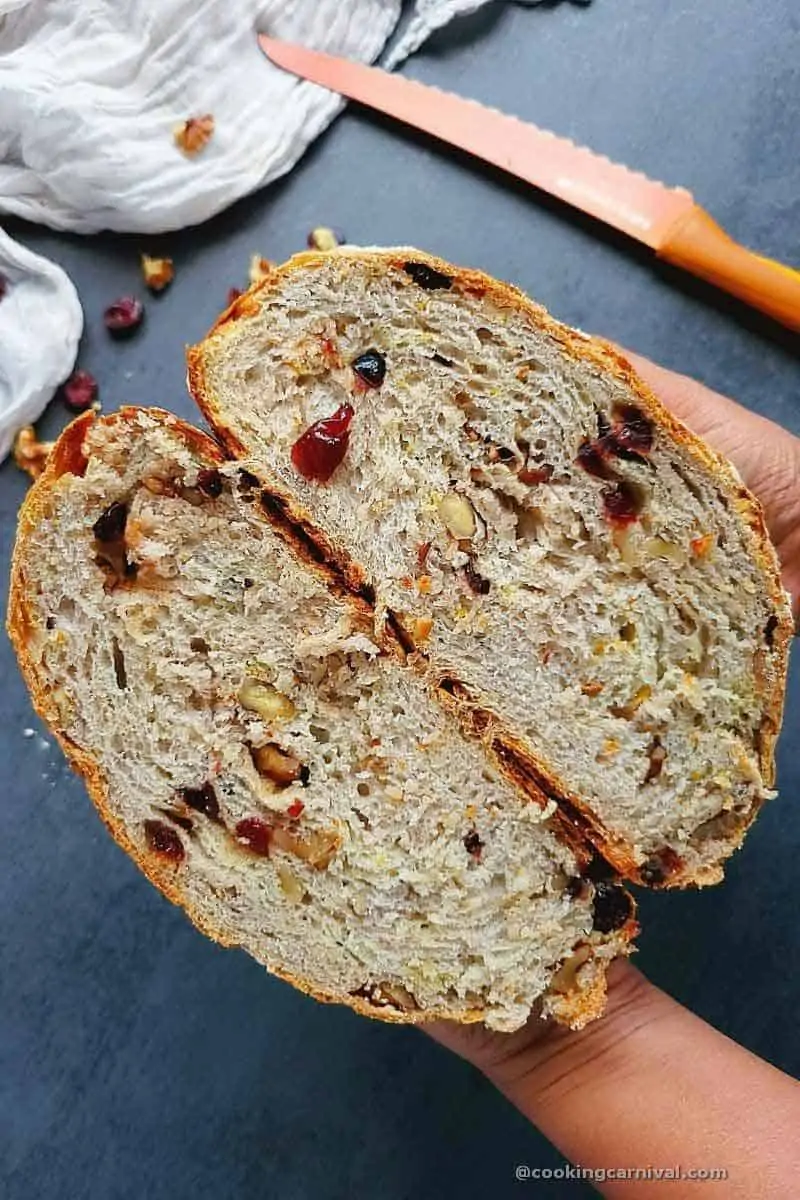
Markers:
point(766, 456)
point(702, 409)
point(727, 426)
point(506, 1057)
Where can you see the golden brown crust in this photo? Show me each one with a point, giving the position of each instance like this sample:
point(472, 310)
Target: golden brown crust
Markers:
point(532, 773)
point(69, 457)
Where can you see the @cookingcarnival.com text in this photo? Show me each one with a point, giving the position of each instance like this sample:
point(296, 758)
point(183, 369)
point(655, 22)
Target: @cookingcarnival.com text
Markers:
point(675, 1173)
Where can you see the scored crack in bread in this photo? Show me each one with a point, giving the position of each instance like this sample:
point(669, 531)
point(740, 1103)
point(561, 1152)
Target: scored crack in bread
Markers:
point(298, 792)
point(592, 585)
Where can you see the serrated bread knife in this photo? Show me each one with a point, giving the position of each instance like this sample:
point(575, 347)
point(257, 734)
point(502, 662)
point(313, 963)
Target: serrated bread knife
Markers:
point(665, 219)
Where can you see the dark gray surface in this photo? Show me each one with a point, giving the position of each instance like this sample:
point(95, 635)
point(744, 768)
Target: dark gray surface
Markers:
point(136, 1058)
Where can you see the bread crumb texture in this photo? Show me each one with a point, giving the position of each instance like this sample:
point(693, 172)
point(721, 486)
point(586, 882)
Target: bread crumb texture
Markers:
point(289, 782)
point(597, 579)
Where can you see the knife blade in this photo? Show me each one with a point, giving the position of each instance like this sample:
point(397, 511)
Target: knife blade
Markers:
point(666, 219)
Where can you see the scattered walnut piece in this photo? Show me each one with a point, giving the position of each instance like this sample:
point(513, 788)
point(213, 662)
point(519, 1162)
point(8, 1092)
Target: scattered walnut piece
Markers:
point(316, 847)
point(566, 975)
point(397, 995)
point(278, 765)
point(194, 134)
point(30, 454)
point(265, 700)
point(592, 687)
point(324, 238)
point(158, 273)
point(260, 268)
point(387, 995)
point(458, 515)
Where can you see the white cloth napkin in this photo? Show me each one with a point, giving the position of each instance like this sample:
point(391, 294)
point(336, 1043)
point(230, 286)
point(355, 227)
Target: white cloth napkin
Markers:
point(40, 326)
point(90, 93)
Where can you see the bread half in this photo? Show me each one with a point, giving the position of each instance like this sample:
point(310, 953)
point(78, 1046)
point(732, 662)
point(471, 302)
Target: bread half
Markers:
point(592, 587)
point(296, 788)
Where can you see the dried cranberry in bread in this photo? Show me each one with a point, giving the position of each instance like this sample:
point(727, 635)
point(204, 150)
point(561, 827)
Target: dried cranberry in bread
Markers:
point(592, 586)
point(299, 792)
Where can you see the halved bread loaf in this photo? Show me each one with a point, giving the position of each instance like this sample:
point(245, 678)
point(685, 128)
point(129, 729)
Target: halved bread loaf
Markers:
point(297, 790)
point(591, 586)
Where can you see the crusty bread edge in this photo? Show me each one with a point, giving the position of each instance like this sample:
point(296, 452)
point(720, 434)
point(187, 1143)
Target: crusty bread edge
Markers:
point(575, 1008)
point(605, 357)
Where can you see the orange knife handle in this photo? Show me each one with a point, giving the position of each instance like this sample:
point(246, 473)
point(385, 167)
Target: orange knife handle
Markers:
point(697, 244)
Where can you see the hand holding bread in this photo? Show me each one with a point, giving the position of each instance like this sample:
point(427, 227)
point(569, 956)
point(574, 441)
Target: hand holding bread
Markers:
point(461, 630)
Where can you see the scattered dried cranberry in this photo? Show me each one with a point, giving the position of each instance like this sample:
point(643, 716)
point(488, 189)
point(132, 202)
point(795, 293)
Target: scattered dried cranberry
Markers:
point(530, 476)
point(209, 481)
point(476, 582)
point(110, 525)
point(473, 844)
point(575, 886)
point(80, 391)
point(124, 316)
point(370, 367)
point(163, 840)
point(426, 277)
point(295, 808)
point(233, 295)
point(247, 481)
point(612, 907)
point(621, 504)
point(203, 800)
point(630, 438)
point(178, 819)
point(591, 458)
point(255, 834)
point(633, 431)
point(318, 452)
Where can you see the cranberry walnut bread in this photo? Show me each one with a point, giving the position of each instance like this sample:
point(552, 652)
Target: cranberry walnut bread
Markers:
point(590, 585)
point(297, 790)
